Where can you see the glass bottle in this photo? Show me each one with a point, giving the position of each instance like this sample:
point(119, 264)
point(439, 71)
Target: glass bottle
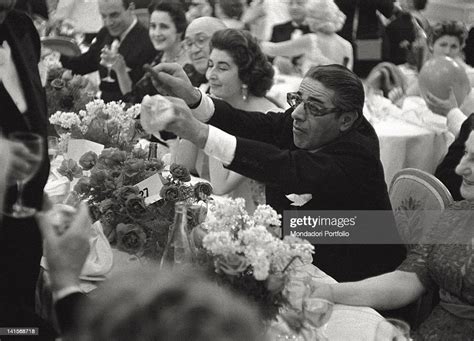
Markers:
point(153, 150)
point(178, 248)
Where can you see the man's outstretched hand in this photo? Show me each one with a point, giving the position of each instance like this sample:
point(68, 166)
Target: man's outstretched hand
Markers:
point(171, 80)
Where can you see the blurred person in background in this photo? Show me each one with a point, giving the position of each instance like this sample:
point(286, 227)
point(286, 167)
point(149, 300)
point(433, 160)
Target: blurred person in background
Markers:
point(134, 48)
point(146, 304)
point(322, 46)
point(82, 15)
point(166, 31)
point(369, 26)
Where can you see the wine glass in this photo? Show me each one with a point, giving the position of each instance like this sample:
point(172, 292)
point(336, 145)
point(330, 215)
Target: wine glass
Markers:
point(318, 311)
point(53, 147)
point(392, 330)
point(34, 143)
point(109, 57)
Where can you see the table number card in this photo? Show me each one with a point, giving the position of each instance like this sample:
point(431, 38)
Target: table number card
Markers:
point(150, 188)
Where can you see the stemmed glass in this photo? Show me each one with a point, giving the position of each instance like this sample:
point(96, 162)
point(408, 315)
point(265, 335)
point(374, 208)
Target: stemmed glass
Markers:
point(53, 147)
point(392, 330)
point(318, 311)
point(34, 143)
point(109, 57)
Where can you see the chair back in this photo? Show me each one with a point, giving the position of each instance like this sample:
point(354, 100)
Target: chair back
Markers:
point(418, 199)
point(143, 16)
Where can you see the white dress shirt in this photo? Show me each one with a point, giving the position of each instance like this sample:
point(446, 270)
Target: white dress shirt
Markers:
point(10, 79)
point(219, 144)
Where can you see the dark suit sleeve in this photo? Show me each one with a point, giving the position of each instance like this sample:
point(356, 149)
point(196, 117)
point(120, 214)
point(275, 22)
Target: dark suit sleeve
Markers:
point(87, 62)
point(66, 311)
point(251, 125)
point(445, 171)
point(294, 171)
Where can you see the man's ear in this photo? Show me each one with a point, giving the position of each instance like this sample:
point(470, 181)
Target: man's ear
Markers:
point(346, 120)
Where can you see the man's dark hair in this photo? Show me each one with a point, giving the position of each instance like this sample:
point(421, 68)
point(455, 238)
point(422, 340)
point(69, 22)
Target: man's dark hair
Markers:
point(175, 11)
point(348, 89)
point(254, 68)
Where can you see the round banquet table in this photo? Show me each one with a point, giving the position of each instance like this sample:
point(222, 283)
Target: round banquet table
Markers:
point(403, 145)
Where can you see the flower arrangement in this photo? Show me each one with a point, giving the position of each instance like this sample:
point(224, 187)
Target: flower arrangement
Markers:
point(65, 92)
point(128, 222)
point(244, 253)
point(112, 124)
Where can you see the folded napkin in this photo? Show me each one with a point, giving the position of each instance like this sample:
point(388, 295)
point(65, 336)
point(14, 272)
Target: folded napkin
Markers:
point(100, 259)
point(57, 187)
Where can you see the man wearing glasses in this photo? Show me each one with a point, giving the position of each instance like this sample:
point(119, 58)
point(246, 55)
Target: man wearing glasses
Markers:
point(321, 149)
point(196, 42)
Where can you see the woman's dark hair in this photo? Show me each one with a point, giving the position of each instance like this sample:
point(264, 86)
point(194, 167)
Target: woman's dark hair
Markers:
point(175, 11)
point(449, 28)
point(254, 68)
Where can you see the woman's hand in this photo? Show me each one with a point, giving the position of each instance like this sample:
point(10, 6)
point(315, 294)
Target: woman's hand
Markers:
point(440, 106)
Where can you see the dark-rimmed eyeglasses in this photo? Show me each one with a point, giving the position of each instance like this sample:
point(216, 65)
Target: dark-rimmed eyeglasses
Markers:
point(294, 99)
point(200, 42)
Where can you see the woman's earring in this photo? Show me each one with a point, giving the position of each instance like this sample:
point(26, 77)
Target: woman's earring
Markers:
point(245, 92)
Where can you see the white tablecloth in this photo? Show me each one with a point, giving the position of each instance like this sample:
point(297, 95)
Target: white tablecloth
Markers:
point(404, 145)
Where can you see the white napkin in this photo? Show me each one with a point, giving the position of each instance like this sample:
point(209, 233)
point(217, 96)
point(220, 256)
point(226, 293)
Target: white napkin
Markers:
point(100, 259)
point(57, 186)
point(299, 199)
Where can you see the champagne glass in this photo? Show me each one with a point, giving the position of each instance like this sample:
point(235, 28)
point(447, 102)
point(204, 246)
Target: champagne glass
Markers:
point(109, 58)
point(318, 311)
point(53, 147)
point(34, 143)
point(392, 330)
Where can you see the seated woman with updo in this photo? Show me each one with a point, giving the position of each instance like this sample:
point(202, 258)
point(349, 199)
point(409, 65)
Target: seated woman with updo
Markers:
point(444, 260)
point(240, 74)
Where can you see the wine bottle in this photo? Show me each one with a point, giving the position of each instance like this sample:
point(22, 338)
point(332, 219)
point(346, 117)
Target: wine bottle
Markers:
point(178, 249)
point(153, 151)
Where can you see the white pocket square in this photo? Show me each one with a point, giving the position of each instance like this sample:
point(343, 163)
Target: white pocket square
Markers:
point(299, 199)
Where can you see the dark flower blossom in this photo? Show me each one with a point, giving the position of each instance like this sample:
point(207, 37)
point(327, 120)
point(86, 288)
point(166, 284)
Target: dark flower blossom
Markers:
point(202, 190)
point(88, 160)
point(136, 208)
point(180, 172)
point(130, 238)
point(170, 193)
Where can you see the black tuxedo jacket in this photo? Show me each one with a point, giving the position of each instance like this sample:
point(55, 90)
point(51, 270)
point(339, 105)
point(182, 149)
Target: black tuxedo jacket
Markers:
point(136, 49)
point(20, 240)
point(345, 174)
point(283, 31)
point(445, 170)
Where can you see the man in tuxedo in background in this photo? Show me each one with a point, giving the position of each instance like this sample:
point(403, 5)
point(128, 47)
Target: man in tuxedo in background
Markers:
point(23, 108)
point(294, 28)
point(135, 47)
